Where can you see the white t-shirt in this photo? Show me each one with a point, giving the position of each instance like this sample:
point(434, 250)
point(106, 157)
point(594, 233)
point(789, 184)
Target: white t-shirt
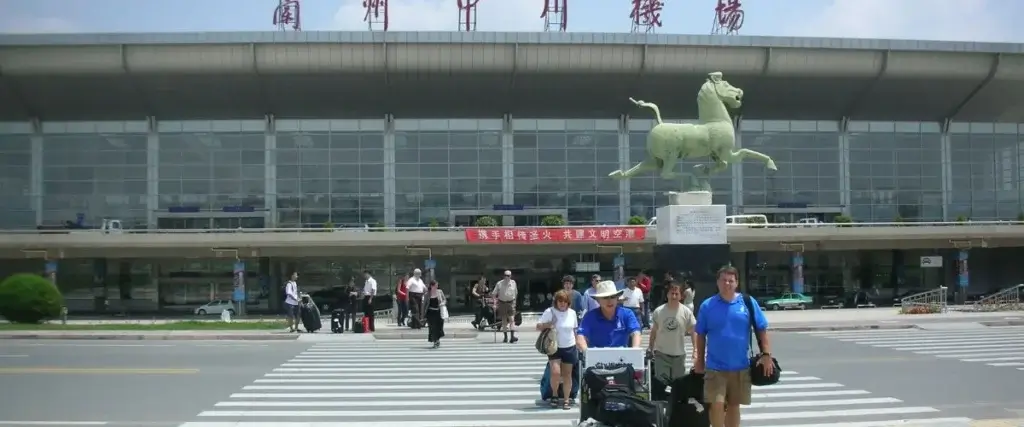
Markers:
point(631, 298)
point(291, 292)
point(564, 323)
point(415, 285)
point(370, 287)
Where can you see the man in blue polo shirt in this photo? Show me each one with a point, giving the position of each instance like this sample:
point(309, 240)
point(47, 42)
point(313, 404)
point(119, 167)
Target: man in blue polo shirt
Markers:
point(611, 325)
point(723, 342)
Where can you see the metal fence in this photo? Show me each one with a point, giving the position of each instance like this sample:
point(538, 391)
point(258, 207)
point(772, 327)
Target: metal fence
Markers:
point(1005, 300)
point(933, 301)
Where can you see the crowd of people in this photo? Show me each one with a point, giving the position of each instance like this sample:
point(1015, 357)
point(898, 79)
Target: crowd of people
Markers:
point(604, 316)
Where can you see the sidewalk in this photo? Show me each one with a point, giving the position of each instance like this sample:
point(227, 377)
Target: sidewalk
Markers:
point(782, 321)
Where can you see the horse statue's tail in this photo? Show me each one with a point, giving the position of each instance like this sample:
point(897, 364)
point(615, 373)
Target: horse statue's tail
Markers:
point(651, 105)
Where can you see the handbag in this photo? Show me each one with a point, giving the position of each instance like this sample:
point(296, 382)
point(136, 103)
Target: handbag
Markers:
point(547, 342)
point(444, 312)
point(757, 376)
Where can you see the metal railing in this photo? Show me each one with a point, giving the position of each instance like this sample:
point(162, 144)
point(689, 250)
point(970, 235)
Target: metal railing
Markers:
point(1005, 300)
point(442, 229)
point(933, 301)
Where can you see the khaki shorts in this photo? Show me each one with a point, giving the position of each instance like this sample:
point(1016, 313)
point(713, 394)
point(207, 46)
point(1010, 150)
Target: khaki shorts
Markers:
point(731, 388)
point(506, 312)
point(667, 367)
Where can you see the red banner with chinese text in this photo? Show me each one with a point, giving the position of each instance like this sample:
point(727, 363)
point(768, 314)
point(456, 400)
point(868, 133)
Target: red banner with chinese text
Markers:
point(624, 234)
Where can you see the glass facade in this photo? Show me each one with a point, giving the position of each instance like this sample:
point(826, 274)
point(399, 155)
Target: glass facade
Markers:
point(411, 172)
point(329, 171)
point(16, 179)
point(895, 171)
point(94, 171)
point(808, 157)
point(445, 165)
point(563, 164)
point(985, 171)
point(647, 192)
point(211, 166)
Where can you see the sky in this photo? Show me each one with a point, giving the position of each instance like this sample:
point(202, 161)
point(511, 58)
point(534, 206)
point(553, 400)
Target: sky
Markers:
point(960, 20)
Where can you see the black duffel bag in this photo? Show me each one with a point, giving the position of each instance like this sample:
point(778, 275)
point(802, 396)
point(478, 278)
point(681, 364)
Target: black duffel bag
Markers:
point(621, 407)
point(757, 376)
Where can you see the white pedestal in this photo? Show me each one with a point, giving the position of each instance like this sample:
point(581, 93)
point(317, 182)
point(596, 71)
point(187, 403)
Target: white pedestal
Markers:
point(692, 224)
point(692, 198)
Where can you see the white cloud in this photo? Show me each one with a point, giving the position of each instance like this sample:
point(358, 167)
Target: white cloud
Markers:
point(443, 15)
point(976, 20)
point(36, 25)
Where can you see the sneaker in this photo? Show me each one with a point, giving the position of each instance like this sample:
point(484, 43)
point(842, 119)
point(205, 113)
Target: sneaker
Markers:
point(513, 340)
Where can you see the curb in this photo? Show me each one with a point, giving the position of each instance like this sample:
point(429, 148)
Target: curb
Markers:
point(142, 337)
point(840, 328)
point(407, 335)
point(1004, 323)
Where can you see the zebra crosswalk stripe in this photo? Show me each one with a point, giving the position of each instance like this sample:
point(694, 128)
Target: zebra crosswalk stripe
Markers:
point(402, 383)
point(993, 346)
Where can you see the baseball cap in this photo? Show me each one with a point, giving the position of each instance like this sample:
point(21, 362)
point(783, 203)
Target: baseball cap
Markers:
point(508, 273)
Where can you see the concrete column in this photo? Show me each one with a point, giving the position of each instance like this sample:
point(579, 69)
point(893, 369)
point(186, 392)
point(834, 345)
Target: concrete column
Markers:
point(963, 275)
point(947, 170)
point(508, 188)
point(270, 171)
point(152, 172)
point(266, 284)
point(99, 284)
point(389, 171)
point(844, 167)
point(36, 179)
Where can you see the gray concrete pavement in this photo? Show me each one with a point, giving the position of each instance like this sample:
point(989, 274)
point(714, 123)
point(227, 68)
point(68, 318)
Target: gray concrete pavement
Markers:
point(908, 364)
point(123, 383)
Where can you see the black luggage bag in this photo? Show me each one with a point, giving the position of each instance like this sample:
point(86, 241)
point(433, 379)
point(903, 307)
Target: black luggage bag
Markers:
point(357, 326)
point(686, 402)
point(310, 317)
point(338, 321)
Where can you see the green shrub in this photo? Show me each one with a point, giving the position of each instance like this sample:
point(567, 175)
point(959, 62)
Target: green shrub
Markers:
point(552, 221)
point(636, 220)
point(434, 223)
point(842, 220)
point(29, 298)
point(486, 221)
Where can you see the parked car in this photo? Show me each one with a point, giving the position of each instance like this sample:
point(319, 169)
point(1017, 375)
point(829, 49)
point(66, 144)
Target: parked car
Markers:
point(788, 301)
point(215, 307)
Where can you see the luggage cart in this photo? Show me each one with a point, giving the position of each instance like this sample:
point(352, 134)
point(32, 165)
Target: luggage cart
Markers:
point(635, 357)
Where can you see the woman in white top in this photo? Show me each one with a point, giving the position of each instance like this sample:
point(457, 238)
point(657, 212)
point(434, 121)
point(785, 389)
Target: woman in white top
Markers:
point(563, 320)
point(688, 294)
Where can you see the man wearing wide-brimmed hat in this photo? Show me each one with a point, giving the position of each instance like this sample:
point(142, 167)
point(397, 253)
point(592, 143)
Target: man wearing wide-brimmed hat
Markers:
point(611, 325)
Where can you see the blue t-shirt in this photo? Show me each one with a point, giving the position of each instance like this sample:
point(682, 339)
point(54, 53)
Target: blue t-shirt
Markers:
point(601, 332)
point(726, 328)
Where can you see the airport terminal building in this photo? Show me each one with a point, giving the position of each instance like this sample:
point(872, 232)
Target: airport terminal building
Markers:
point(298, 130)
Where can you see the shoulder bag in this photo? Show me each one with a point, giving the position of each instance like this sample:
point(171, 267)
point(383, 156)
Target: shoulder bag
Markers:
point(757, 376)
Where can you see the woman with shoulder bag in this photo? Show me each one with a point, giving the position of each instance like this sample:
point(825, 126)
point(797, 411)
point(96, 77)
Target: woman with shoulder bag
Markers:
point(437, 313)
point(562, 319)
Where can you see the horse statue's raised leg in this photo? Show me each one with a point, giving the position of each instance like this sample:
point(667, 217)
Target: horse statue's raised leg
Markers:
point(743, 153)
point(644, 166)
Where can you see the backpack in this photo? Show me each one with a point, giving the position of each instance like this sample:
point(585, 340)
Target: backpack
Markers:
point(547, 342)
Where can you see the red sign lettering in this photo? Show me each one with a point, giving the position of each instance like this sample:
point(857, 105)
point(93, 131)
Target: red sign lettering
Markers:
point(623, 234)
point(729, 15)
point(286, 15)
point(647, 13)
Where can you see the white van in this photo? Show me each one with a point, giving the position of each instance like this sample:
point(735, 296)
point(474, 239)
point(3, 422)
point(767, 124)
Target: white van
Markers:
point(731, 220)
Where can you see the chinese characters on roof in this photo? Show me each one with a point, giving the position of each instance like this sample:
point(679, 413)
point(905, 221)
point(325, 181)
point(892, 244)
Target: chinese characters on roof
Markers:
point(645, 15)
point(376, 16)
point(624, 234)
point(728, 17)
point(287, 16)
point(555, 15)
point(467, 14)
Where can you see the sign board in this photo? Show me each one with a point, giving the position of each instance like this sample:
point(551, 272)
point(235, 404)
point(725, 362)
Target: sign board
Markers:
point(632, 356)
point(597, 234)
point(588, 267)
point(692, 225)
point(931, 262)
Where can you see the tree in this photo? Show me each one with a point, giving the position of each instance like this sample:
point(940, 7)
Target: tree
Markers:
point(637, 220)
point(486, 221)
point(29, 298)
point(552, 221)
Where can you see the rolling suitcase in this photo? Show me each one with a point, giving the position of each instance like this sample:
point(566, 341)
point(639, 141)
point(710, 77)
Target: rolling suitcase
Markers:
point(357, 327)
point(311, 317)
point(337, 321)
point(366, 324)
